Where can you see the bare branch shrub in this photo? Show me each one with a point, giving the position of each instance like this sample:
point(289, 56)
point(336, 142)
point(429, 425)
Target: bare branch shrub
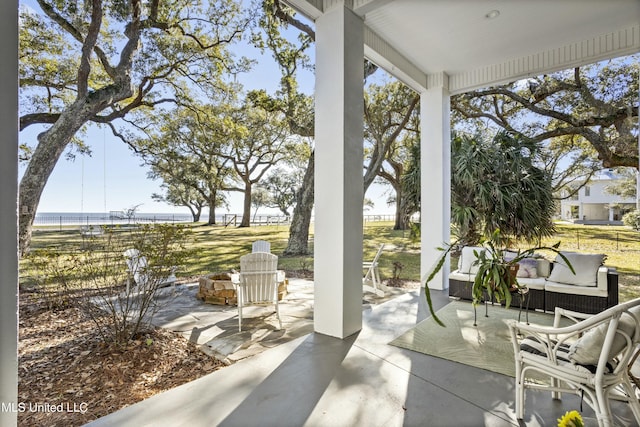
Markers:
point(99, 281)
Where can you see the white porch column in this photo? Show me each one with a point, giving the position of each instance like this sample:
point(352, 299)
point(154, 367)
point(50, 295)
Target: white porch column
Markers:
point(8, 215)
point(338, 172)
point(435, 179)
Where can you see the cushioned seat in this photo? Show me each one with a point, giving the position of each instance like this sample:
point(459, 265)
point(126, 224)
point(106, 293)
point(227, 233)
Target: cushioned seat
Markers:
point(537, 283)
point(531, 274)
point(592, 289)
point(571, 289)
point(588, 358)
point(464, 277)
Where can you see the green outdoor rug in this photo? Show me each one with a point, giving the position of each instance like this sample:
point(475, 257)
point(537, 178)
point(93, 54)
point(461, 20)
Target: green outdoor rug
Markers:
point(487, 346)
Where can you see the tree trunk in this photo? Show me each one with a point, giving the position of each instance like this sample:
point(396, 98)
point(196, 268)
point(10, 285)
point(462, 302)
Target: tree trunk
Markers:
point(401, 223)
point(51, 145)
point(299, 232)
point(192, 211)
point(246, 209)
point(195, 213)
point(212, 210)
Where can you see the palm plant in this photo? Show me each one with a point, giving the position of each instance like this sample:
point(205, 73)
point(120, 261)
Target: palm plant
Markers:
point(496, 184)
point(499, 192)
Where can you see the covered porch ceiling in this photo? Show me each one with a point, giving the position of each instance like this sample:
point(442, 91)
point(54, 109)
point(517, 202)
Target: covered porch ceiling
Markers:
point(477, 43)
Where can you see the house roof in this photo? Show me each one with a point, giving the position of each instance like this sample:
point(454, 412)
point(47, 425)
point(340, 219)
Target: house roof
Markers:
point(605, 175)
point(478, 43)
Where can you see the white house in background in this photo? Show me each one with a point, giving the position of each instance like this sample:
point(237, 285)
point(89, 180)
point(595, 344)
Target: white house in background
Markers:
point(594, 205)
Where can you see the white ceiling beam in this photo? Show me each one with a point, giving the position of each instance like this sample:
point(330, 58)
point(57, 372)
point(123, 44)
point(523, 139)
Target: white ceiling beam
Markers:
point(377, 50)
point(312, 9)
point(388, 58)
point(362, 7)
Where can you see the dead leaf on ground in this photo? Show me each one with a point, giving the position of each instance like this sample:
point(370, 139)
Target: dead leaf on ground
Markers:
point(63, 361)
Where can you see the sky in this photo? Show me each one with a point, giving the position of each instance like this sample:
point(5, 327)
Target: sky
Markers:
point(113, 179)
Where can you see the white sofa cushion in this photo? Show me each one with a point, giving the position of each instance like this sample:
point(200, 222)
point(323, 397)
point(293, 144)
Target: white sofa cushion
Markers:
point(563, 288)
point(532, 283)
point(543, 267)
point(585, 266)
point(597, 291)
point(463, 277)
point(468, 258)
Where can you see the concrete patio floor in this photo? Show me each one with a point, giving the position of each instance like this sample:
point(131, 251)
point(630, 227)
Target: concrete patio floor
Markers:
point(215, 327)
point(316, 380)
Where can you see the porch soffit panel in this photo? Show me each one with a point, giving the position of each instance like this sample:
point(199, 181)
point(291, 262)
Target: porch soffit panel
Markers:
point(607, 46)
point(424, 42)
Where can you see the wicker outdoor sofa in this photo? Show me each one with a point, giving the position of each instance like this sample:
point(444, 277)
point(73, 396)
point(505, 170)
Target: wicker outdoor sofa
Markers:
point(593, 288)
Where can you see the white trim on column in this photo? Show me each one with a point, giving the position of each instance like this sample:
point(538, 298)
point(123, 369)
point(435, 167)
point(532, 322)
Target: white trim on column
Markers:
point(330, 4)
point(438, 80)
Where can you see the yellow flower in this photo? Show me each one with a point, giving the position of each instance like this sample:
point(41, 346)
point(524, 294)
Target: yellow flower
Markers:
point(571, 419)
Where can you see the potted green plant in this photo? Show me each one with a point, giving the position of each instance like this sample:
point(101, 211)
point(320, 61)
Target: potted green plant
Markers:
point(497, 269)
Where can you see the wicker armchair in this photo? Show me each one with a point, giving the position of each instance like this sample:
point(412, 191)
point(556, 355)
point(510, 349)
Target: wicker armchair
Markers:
point(588, 358)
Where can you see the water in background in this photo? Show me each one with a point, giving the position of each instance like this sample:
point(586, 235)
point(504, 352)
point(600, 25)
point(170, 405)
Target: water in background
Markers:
point(62, 219)
point(114, 217)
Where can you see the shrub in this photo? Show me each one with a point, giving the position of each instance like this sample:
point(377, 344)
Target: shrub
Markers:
point(632, 219)
point(98, 281)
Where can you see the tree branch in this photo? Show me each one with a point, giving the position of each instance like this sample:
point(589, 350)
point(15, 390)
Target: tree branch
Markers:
point(87, 47)
point(284, 16)
point(76, 34)
point(37, 118)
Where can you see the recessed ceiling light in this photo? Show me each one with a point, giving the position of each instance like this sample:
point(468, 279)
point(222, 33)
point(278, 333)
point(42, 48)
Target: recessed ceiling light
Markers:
point(492, 14)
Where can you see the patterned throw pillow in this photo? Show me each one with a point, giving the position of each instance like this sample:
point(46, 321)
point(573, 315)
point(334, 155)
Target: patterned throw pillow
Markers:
point(528, 268)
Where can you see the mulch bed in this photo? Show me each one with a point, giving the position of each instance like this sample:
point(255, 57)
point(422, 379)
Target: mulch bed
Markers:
point(69, 377)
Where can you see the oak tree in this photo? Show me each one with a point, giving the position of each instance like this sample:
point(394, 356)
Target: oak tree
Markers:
point(93, 62)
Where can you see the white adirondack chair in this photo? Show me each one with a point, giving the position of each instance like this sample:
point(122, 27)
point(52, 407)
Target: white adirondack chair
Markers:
point(258, 283)
point(371, 281)
point(261, 246)
point(138, 267)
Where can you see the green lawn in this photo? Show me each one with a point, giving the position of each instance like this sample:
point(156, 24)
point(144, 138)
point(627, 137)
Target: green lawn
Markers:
point(620, 244)
point(218, 249)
